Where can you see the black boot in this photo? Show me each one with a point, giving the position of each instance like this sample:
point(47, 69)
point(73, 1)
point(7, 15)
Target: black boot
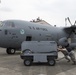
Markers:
point(74, 63)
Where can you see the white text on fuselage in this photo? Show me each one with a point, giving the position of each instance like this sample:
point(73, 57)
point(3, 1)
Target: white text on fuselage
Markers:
point(38, 28)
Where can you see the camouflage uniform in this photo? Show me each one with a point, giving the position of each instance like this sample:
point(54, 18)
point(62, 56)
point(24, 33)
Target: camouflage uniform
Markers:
point(71, 54)
point(66, 54)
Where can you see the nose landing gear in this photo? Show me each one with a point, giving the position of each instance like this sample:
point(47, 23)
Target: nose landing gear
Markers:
point(10, 51)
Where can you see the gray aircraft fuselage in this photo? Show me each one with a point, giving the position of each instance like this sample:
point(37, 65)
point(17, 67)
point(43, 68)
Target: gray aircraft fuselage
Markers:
point(14, 32)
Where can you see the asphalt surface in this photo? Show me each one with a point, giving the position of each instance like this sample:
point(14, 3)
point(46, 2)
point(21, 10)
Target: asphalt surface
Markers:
point(13, 65)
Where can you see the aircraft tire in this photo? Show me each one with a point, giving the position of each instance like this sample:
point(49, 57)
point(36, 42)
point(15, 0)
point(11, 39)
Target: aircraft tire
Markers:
point(51, 62)
point(10, 51)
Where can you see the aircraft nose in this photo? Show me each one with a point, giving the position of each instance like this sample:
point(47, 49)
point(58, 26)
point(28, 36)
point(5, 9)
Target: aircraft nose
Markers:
point(1, 37)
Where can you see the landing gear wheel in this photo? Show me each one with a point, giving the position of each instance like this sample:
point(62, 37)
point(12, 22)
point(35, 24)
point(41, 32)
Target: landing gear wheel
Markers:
point(10, 51)
point(51, 62)
point(27, 62)
point(27, 51)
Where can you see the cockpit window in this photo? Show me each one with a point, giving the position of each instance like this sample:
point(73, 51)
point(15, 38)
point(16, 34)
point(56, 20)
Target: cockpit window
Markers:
point(1, 24)
point(9, 24)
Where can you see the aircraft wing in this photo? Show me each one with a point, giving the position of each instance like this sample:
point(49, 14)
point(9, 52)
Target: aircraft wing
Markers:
point(70, 29)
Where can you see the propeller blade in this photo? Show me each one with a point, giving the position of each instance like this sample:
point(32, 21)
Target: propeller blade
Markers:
point(74, 22)
point(69, 21)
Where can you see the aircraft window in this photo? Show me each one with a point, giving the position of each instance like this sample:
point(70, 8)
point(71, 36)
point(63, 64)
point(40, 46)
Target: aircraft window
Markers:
point(9, 24)
point(29, 27)
point(1, 24)
point(6, 32)
point(28, 38)
point(33, 28)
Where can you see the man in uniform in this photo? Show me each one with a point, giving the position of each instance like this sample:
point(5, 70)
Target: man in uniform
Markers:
point(71, 54)
point(65, 52)
point(68, 51)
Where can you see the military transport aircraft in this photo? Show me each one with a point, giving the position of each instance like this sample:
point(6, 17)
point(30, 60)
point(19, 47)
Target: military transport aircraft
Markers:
point(14, 32)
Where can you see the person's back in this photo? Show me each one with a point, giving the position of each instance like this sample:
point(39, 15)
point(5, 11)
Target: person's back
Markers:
point(69, 49)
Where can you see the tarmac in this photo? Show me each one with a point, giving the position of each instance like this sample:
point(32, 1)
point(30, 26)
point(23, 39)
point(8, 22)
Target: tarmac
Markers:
point(13, 65)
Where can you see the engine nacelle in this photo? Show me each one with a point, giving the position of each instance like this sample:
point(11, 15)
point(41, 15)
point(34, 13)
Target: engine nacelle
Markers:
point(63, 42)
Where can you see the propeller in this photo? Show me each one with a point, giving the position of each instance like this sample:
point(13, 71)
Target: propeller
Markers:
point(75, 23)
point(73, 26)
point(68, 20)
point(64, 41)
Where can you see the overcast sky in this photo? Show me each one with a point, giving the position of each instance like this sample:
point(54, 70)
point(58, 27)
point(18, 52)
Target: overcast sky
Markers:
point(52, 11)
